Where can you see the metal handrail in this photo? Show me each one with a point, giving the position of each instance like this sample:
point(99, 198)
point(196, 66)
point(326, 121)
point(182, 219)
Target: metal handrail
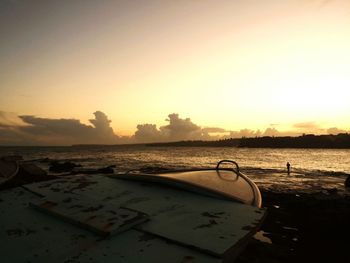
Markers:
point(257, 196)
point(228, 161)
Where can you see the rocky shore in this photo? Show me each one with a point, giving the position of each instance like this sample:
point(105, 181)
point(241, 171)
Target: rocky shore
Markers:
point(302, 227)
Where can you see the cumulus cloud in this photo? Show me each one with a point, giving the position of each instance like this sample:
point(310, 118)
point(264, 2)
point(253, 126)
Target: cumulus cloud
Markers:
point(148, 133)
point(271, 132)
point(244, 133)
point(101, 122)
point(178, 129)
point(102, 127)
point(32, 130)
point(46, 131)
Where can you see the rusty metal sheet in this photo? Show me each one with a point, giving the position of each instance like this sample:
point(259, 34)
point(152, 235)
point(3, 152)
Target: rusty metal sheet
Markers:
point(134, 247)
point(98, 217)
point(210, 228)
point(29, 236)
point(207, 224)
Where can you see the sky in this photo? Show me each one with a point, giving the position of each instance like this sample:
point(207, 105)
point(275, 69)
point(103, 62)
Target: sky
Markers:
point(126, 71)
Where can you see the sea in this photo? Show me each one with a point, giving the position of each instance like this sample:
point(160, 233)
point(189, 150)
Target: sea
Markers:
point(311, 169)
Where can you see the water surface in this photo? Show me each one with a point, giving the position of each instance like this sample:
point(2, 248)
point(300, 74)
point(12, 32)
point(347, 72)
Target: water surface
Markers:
point(310, 168)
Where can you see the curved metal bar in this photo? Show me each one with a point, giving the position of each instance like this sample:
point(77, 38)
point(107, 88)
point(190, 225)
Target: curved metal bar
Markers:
point(225, 179)
point(228, 161)
point(257, 195)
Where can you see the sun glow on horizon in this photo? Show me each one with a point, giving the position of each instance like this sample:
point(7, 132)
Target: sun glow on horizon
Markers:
point(228, 64)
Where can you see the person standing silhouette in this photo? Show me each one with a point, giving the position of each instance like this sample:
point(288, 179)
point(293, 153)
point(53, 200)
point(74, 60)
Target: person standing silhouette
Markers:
point(288, 168)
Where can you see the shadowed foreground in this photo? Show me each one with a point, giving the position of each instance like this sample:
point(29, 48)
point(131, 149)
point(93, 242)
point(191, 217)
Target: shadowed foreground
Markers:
point(302, 228)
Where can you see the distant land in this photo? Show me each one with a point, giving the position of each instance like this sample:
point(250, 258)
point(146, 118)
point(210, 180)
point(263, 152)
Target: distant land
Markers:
point(340, 141)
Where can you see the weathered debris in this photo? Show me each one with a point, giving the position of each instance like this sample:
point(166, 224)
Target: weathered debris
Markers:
point(15, 172)
point(59, 167)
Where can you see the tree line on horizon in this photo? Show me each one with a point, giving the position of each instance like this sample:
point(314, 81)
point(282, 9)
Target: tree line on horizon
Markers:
point(340, 141)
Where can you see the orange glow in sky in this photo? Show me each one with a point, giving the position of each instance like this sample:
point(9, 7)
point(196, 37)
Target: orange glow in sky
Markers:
point(229, 64)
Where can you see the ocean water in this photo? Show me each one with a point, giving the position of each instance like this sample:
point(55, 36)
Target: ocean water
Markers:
point(311, 169)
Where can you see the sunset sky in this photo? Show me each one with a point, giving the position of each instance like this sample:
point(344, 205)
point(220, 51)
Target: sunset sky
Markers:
point(232, 65)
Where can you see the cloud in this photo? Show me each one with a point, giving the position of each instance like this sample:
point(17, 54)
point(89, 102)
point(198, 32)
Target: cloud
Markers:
point(64, 127)
point(335, 131)
point(312, 127)
point(178, 129)
point(244, 133)
point(45, 131)
point(32, 130)
point(306, 125)
point(103, 130)
point(271, 132)
point(9, 119)
point(181, 129)
point(213, 130)
point(148, 133)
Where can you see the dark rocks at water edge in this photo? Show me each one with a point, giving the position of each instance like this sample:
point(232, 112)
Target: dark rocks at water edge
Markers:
point(302, 227)
point(62, 167)
point(347, 182)
point(103, 170)
point(73, 168)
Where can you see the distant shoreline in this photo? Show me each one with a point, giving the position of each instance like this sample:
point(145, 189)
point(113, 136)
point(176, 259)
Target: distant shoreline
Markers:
point(306, 141)
point(340, 141)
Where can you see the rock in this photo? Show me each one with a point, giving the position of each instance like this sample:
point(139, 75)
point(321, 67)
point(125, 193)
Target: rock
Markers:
point(29, 173)
point(58, 167)
point(153, 169)
point(44, 160)
point(11, 158)
point(26, 173)
point(104, 170)
point(33, 170)
point(347, 182)
point(332, 191)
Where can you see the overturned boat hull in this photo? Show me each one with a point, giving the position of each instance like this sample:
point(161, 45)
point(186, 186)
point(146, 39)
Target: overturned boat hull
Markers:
point(94, 218)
